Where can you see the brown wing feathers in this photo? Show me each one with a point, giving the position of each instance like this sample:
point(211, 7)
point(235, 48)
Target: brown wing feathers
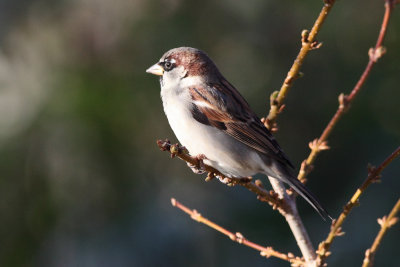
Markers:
point(235, 118)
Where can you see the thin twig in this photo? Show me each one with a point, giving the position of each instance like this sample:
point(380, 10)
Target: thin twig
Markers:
point(238, 237)
point(375, 53)
point(308, 40)
point(263, 195)
point(336, 228)
point(385, 223)
point(308, 43)
point(278, 199)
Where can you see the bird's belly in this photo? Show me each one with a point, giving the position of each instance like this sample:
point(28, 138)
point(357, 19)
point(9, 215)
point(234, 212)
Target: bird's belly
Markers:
point(222, 151)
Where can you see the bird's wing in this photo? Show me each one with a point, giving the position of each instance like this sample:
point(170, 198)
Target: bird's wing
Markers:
point(220, 105)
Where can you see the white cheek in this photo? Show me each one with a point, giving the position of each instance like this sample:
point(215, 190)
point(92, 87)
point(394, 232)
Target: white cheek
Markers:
point(171, 79)
point(191, 81)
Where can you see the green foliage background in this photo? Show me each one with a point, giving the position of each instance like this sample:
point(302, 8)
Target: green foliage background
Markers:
point(82, 182)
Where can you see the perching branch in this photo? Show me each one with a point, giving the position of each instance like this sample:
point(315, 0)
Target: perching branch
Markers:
point(279, 199)
point(374, 175)
point(295, 223)
point(263, 195)
point(385, 223)
point(308, 43)
point(238, 237)
point(283, 202)
point(375, 53)
point(308, 40)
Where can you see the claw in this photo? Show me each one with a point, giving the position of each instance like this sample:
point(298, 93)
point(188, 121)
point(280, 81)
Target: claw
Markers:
point(195, 168)
point(198, 168)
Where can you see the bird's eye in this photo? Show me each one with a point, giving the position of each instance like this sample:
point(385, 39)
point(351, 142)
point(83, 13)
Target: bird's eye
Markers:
point(168, 65)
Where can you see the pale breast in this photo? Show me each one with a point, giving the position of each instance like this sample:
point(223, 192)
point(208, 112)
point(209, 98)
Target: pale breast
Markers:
point(223, 152)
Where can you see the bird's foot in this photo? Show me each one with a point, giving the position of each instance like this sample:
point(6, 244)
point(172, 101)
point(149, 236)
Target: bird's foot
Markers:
point(199, 167)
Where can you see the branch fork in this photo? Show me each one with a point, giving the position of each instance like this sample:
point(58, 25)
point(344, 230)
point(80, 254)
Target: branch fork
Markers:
point(282, 199)
point(345, 100)
point(373, 176)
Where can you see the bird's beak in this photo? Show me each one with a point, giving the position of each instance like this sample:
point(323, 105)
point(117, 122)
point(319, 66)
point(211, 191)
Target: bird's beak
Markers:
point(156, 69)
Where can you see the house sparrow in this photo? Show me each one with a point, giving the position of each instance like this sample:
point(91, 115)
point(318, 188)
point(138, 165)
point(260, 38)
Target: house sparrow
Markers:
point(213, 121)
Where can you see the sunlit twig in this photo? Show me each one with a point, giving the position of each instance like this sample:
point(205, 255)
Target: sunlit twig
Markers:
point(386, 222)
point(308, 43)
point(345, 100)
point(262, 194)
point(238, 237)
point(336, 228)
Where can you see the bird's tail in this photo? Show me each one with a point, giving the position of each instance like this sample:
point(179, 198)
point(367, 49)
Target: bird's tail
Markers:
point(283, 173)
point(307, 195)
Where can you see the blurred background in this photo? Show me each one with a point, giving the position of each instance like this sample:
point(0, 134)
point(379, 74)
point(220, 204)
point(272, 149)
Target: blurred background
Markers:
point(82, 182)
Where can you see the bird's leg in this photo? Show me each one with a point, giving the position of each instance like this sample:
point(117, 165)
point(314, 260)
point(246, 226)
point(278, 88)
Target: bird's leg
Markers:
point(198, 168)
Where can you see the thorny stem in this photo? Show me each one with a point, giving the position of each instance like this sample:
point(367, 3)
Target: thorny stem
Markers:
point(336, 228)
point(309, 43)
point(385, 223)
point(345, 100)
point(238, 237)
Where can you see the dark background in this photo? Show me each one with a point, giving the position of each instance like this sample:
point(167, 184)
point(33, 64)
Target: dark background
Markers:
point(82, 182)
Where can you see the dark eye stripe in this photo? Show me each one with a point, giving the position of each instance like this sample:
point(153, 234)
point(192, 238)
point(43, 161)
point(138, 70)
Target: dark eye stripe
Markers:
point(168, 65)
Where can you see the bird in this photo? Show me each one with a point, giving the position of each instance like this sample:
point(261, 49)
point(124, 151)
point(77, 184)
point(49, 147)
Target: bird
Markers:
point(214, 122)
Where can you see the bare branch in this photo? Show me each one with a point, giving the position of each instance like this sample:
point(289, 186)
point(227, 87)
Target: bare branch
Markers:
point(281, 200)
point(345, 100)
point(374, 175)
point(295, 223)
point(385, 223)
point(278, 199)
point(263, 195)
point(308, 43)
point(238, 237)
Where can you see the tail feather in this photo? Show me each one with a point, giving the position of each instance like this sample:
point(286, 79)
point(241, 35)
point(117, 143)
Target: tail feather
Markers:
point(310, 197)
point(283, 172)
